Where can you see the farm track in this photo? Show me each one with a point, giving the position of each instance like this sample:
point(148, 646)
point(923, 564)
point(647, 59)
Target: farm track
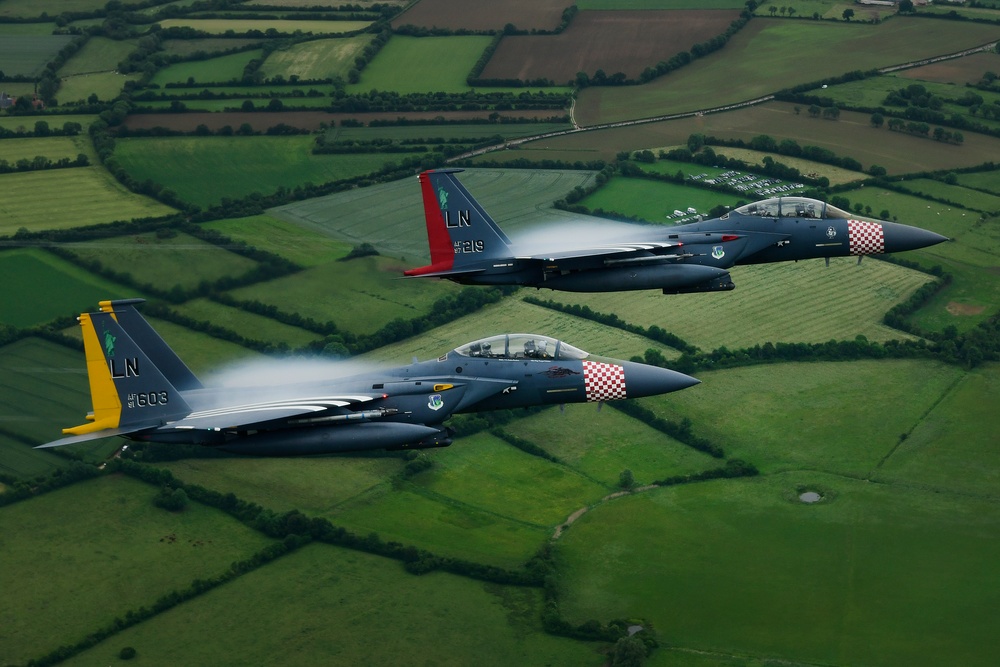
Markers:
point(689, 114)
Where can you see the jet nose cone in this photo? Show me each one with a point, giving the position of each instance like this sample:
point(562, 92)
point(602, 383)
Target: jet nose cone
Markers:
point(645, 380)
point(903, 237)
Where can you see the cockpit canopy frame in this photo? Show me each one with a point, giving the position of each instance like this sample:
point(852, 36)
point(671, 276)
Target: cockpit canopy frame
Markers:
point(792, 207)
point(520, 346)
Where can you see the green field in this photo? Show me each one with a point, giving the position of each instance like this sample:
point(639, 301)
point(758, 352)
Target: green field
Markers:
point(28, 122)
point(27, 54)
point(67, 198)
point(77, 558)
point(248, 324)
point(58, 288)
point(516, 199)
point(449, 131)
point(874, 574)
point(836, 175)
point(771, 55)
point(984, 180)
point(99, 54)
point(25, 28)
point(334, 606)
point(202, 354)
point(152, 260)
point(369, 292)
point(655, 201)
point(422, 64)
point(33, 8)
point(219, 26)
point(204, 170)
point(827, 9)
point(970, 199)
point(317, 59)
point(106, 85)
point(186, 47)
point(619, 5)
point(305, 247)
point(289, 100)
point(54, 148)
point(211, 70)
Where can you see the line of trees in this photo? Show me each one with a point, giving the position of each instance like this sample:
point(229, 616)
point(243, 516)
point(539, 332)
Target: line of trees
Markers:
point(40, 163)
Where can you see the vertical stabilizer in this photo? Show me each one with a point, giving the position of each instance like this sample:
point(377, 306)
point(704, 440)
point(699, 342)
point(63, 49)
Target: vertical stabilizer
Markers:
point(461, 235)
point(166, 360)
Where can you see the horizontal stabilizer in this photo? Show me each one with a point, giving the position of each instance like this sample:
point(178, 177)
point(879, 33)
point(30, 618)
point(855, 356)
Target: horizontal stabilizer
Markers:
point(87, 437)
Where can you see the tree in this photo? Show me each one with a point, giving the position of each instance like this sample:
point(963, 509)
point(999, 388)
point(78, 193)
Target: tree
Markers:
point(171, 500)
point(42, 129)
point(626, 480)
point(877, 119)
point(848, 14)
point(814, 110)
point(906, 6)
point(628, 652)
point(773, 10)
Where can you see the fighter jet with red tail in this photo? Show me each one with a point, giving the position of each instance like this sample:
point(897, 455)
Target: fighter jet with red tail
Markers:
point(468, 247)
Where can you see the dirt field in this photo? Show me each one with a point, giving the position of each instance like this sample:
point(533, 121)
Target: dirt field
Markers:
point(615, 41)
point(484, 14)
point(310, 120)
point(969, 69)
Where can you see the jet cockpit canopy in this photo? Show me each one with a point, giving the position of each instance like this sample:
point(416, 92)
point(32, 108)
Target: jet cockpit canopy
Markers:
point(793, 207)
point(520, 346)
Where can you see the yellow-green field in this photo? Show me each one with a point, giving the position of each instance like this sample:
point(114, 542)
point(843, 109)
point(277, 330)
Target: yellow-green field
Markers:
point(219, 26)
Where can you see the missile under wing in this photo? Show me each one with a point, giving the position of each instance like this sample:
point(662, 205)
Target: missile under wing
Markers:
point(468, 247)
point(141, 390)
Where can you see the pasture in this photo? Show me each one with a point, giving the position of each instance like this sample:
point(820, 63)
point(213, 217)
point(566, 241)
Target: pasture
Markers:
point(212, 70)
point(771, 55)
point(152, 260)
point(220, 26)
point(611, 41)
point(54, 148)
point(78, 557)
point(303, 246)
point(422, 64)
point(983, 180)
point(26, 55)
point(482, 14)
point(435, 132)
point(204, 170)
point(655, 201)
point(516, 199)
point(99, 54)
point(826, 9)
point(33, 8)
point(850, 136)
point(317, 59)
point(967, 69)
point(58, 288)
point(248, 324)
point(187, 47)
point(106, 85)
point(27, 123)
point(200, 352)
point(872, 574)
point(659, 4)
point(67, 198)
point(336, 606)
point(970, 199)
point(359, 296)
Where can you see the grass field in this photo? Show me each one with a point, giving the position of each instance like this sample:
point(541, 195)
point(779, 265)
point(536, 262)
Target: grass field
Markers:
point(54, 148)
point(99, 54)
point(219, 26)
point(28, 122)
point(360, 296)
point(32, 8)
point(836, 175)
point(248, 324)
point(204, 170)
point(303, 246)
point(77, 558)
point(26, 55)
point(337, 606)
point(422, 64)
point(67, 198)
point(874, 574)
point(482, 15)
point(770, 55)
point(450, 131)
point(106, 85)
point(659, 4)
point(58, 288)
point(984, 180)
point(153, 260)
point(655, 201)
point(221, 68)
point(516, 199)
point(970, 199)
point(202, 354)
point(26, 28)
point(827, 9)
point(186, 47)
point(317, 59)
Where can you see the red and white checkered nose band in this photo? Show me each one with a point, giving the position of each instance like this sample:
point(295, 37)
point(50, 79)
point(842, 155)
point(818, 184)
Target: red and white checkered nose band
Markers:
point(865, 238)
point(603, 382)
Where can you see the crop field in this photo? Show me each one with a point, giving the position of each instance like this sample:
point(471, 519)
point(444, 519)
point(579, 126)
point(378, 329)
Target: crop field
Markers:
point(317, 59)
point(336, 606)
point(984, 180)
point(247, 324)
point(258, 120)
point(615, 41)
point(852, 135)
point(967, 69)
point(770, 55)
point(827, 9)
point(66, 198)
point(743, 568)
point(515, 199)
point(212, 70)
point(422, 64)
point(27, 54)
point(26, 28)
point(58, 288)
point(186, 47)
point(656, 201)
point(216, 107)
point(659, 4)
point(584, 334)
point(984, 13)
point(219, 26)
point(69, 546)
point(200, 352)
point(818, 304)
point(483, 14)
point(154, 260)
point(204, 170)
point(303, 246)
point(359, 296)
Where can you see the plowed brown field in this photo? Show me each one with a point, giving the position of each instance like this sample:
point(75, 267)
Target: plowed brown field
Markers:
point(614, 41)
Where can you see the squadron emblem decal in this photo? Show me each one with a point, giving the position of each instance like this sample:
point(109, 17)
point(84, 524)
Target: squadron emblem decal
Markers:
point(718, 252)
point(831, 232)
point(434, 402)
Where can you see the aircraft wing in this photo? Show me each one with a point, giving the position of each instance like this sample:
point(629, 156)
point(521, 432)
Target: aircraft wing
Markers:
point(250, 415)
point(654, 250)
